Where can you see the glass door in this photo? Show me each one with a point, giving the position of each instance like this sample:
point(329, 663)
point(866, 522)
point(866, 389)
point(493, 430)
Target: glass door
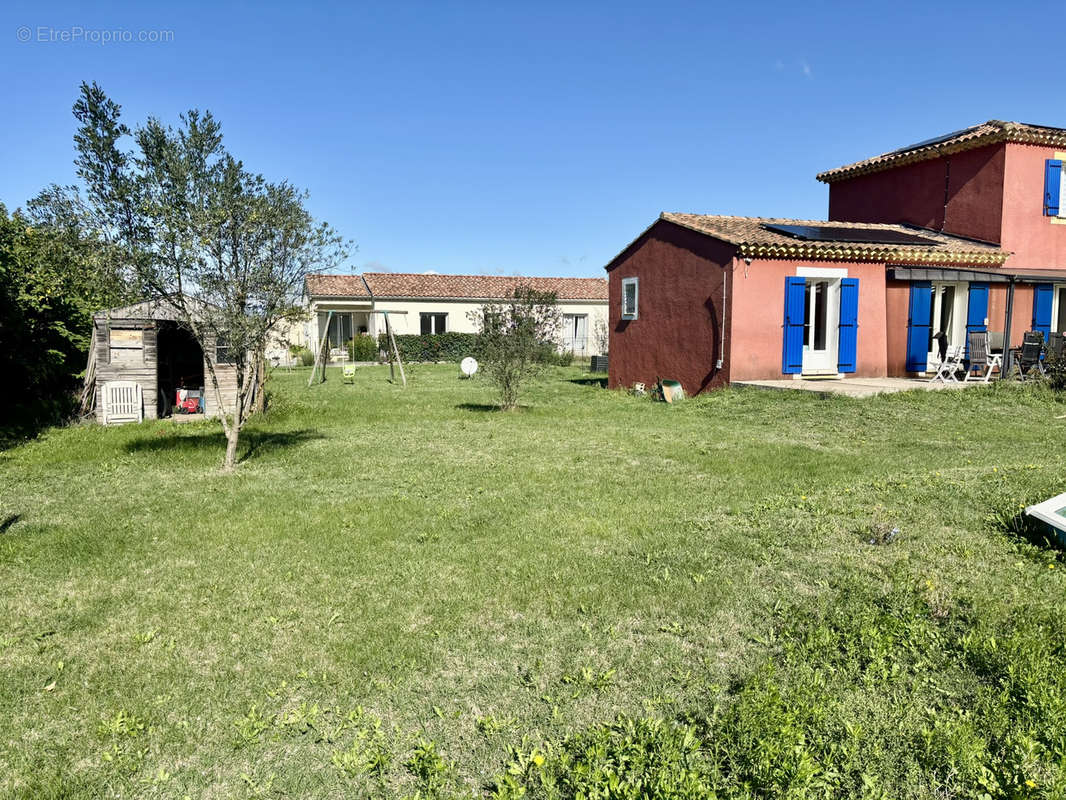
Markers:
point(820, 326)
point(947, 315)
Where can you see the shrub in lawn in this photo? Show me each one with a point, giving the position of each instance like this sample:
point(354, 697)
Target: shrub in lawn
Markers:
point(1055, 370)
point(302, 355)
point(549, 353)
point(363, 348)
point(511, 337)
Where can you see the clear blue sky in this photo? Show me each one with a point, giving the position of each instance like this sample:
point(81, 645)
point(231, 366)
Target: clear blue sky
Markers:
point(535, 138)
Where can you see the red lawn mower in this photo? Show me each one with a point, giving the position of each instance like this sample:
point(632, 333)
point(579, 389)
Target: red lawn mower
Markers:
point(189, 401)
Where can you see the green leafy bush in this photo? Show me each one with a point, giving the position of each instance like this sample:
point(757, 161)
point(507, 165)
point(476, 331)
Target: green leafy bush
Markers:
point(450, 346)
point(302, 355)
point(549, 353)
point(1055, 370)
point(363, 348)
point(52, 278)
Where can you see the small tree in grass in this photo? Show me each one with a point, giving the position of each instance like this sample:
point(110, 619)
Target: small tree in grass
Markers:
point(224, 248)
point(511, 339)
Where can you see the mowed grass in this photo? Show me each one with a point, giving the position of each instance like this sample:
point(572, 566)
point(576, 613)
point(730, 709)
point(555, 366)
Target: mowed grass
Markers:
point(406, 591)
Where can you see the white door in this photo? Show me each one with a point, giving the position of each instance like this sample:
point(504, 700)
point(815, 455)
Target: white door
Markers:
point(575, 333)
point(947, 314)
point(821, 333)
point(581, 334)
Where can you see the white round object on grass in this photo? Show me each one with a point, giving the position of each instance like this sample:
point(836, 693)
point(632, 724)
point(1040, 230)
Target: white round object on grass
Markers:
point(468, 366)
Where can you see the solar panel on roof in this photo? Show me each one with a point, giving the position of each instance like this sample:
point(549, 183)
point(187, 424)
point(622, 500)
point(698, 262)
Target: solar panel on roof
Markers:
point(833, 233)
point(934, 140)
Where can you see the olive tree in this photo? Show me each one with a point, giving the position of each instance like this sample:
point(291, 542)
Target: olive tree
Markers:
point(226, 249)
point(513, 337)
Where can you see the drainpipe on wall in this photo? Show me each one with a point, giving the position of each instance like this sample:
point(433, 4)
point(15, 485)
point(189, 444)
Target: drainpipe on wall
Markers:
point(721, 337)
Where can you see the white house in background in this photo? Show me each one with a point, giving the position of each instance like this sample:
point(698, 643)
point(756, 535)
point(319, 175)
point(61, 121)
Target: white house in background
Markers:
point(432, 303)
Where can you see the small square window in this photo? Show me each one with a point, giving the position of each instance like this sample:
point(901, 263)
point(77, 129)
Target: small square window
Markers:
point(629, 298)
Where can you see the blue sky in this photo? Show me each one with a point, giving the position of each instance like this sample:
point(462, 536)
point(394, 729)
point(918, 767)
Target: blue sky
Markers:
point(531, 138)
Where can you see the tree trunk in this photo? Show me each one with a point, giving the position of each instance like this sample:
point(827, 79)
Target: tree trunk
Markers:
point(260, 385)
point(231, 448)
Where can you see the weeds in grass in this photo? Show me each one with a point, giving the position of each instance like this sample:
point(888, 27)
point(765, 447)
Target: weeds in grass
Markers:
point(713, 559)
point(252, 726)
point(588, 678)
point(301, 720)
point(489, 725)
point(433, 773)
point(971, 707)
point(369, 752)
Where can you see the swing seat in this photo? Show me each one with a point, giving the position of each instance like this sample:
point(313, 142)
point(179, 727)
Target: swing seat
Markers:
point(348, 373)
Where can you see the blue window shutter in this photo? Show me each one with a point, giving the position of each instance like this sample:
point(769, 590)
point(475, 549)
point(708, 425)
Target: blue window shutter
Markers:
point(918, 326)
point(976, 310)
point(1052, 185)
point(849, 324)
point(795, 315)
point(1042, 295)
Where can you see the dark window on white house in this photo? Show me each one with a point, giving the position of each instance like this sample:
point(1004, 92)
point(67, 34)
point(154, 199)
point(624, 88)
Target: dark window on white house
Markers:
point(629, 298)
point(433, 323)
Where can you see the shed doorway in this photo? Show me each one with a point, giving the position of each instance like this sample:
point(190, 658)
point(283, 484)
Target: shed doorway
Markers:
point(181, 367)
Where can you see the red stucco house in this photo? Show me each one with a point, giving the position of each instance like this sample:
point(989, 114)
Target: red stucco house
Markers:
point(959, 233)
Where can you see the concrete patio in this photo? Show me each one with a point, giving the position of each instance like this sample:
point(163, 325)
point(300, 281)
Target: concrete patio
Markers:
point(855, 387)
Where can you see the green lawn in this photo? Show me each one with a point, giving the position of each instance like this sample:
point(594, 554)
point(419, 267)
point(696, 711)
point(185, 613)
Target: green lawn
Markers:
point(405, 592)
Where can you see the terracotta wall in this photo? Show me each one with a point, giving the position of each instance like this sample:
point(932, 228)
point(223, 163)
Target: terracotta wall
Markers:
point(677, 333)
point(897, 307)
point(970, 182)
point(757, 317)
point(1033, 239)
point(1023, 310)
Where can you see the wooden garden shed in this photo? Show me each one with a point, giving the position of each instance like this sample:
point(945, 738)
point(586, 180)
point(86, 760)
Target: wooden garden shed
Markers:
point(146, 345)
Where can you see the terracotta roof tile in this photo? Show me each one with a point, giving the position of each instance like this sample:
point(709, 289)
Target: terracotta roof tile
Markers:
point(473, 287)
point(336, 286)
point(754, 239)
point(991, 132)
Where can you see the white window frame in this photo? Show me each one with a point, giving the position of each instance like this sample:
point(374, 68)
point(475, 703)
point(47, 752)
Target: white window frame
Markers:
point(957, 334)
point(1056, 290)
point(1060, 218)
point(635, 283)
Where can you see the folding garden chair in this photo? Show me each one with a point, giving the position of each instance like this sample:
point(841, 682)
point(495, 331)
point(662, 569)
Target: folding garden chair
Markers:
point(1029, 354)
point(983, 362)
point(947, 371)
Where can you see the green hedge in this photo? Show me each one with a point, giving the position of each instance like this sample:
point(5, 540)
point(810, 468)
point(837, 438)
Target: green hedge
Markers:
point(433, 347)
point(363, 348)
point(457, 346)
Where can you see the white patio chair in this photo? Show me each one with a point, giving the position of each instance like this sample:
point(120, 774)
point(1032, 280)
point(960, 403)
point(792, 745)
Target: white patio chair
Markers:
point(947, 371)
point(123, 402)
